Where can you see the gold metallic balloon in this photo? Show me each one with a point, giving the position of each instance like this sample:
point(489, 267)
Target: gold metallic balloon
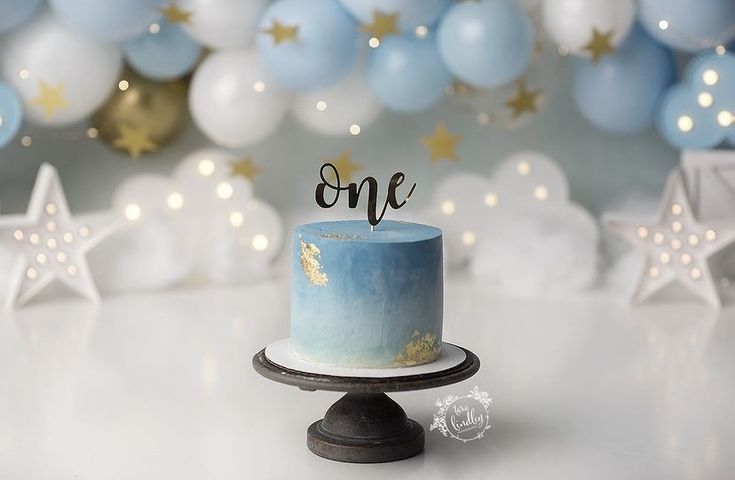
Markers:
point(142, 115)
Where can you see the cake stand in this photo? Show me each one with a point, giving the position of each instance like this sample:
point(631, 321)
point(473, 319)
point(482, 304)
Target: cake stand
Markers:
point(365, 425)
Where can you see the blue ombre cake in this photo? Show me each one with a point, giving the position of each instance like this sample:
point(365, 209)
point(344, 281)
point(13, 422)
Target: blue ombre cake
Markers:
point(367, 299)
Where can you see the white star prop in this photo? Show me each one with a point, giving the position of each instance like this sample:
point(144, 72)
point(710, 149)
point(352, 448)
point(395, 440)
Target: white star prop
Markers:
point(677, 246)
point(50, 244)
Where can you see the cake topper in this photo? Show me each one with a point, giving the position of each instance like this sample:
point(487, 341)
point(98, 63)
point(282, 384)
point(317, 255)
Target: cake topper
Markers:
point(354, 191)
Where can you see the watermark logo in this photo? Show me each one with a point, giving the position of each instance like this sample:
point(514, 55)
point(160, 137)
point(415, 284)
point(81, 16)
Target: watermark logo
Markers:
point(463, 418)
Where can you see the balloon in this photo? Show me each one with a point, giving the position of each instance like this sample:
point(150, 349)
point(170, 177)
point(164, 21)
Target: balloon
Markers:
point(486, 43)
point(163, 53)
point(689, 25)
point(223, 24)
point(110, 20)
point(411, 13)
point(233, 99)
point(407, 74)
point(15, 12)
point(619, 93)
point(60, 76)
point(157, 108)
point(324, 50)
point(11, 114)
point(570, 23)
point(333, 110)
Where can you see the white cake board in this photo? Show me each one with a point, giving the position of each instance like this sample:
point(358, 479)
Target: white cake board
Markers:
point(282, 353)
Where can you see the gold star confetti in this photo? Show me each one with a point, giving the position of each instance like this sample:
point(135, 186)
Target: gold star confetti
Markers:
point(600, 44)
point(283, 33)
point(524, 100)
point(383, 24)
point(345, 166)
point(51, 99)
point(134, 140)
point(174, 14)
point(245, 168)
point(442, 144)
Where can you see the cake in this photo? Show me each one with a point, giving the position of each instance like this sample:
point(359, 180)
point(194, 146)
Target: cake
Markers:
point(367, 299)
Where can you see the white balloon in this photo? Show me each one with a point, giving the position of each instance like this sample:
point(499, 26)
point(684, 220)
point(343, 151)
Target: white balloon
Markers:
point(233, 101)
point(333, 110)
point(530, 179)
point(141, 196)
point(223, 24)
point(570, 22)
point(76, 72)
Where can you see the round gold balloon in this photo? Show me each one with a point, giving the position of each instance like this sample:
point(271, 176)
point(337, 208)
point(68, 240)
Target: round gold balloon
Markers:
point(141, 115)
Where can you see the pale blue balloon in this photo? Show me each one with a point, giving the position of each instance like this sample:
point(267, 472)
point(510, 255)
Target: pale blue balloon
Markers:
point(486, 43)
point(407, 74)
point(11, 114)
point(690, 25)
point(15, 12)
point(411, 13)
point(111, 20)
point(167, 54)
point(619, 94)
point(326, 48)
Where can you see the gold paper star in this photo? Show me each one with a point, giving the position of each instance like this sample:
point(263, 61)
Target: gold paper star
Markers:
point(283, 33)
point(345, 167)
point(383, 24)
point(600, 44)
point(174, 14)
point(134, 140)
point(245, 168)
point(523, 101)
point(51, 99)
point(442, 144)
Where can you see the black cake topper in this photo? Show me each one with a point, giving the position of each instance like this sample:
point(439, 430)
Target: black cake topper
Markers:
point(354, 191)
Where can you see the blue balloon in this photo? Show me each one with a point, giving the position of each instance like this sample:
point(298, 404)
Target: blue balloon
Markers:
point(486, 43)
point(698, 112)
point(689, 25)
point(15, 12)
point(167, 54)
point(110, 20)
point(619, 93)
point(411, 13)
point(407, 74)
point(324, 50)
point(11, 114)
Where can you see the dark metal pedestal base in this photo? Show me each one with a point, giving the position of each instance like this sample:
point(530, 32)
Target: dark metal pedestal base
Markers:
point(365, 428)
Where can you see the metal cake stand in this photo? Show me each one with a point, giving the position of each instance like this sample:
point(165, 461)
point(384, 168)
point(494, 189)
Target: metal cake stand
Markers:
point(365, 425)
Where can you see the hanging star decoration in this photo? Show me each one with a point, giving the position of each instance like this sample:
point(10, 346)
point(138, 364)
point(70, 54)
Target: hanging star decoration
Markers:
point(599, 45)
point(383, 24)
point(51, 245)
point(677, 247)
point(245, 168)
point(523, 100)
point(345, 166)
point(50, 99)
point(283, 33)
point(174, 14)
point(135, 140)
point(442, 144)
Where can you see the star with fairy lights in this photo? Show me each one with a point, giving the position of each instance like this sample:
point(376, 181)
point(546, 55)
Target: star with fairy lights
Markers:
point(523, 100)
point(442, 144)
point(600, 44)
point(245, 168)
point(50, 99)
point(345, 166)
point(677, 247)
point(135, 140)
point(282, 33)
point(383, 24)
point(174, 14)
point(50, 244)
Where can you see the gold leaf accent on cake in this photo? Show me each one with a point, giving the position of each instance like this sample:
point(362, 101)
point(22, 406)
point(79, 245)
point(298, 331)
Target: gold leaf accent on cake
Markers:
point(309, 260)
point(421, 349)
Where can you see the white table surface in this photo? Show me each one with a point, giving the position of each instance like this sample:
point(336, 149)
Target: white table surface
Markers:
point(159, 386)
